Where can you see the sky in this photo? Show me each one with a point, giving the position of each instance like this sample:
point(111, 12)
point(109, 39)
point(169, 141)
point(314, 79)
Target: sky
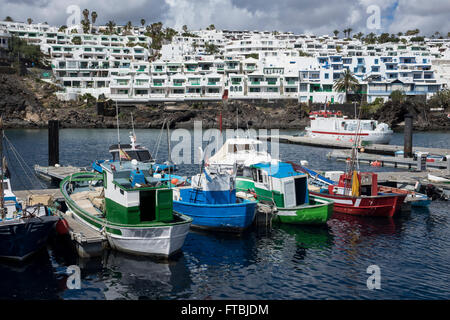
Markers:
point(299, 16)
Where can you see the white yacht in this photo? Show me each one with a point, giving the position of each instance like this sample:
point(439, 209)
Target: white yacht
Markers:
point(334, 126)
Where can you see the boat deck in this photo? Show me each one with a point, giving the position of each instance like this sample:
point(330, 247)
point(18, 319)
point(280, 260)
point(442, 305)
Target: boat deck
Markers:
point(385, 149)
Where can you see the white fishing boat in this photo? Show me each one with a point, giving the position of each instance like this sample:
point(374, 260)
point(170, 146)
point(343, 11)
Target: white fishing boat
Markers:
point(436, 179)
point(240, 151)
point(334, 126)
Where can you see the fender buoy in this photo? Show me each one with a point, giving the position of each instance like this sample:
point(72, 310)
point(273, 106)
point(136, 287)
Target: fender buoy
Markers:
point(62, 227)
point(375, 163)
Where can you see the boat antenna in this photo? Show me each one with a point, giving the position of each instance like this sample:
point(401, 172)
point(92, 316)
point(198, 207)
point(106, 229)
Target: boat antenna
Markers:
point(132, 123)
point(118, 133)
point(169, 158)
point(133, 137)
point(2, 198)
point(237, 122)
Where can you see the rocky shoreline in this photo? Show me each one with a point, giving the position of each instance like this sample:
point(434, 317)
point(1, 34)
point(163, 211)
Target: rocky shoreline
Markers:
point(26, 102)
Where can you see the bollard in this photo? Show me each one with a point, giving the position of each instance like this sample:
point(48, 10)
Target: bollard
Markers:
point(53, 142)
point(422, 161)
point(407, 150)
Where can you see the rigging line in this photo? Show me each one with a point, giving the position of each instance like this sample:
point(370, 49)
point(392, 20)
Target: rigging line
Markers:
point(20, 159)
point(155, 152)
point(24, 184)
point(23, 164)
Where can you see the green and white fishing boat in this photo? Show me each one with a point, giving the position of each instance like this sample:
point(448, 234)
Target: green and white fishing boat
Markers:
point(278, 184)
point(129, 206)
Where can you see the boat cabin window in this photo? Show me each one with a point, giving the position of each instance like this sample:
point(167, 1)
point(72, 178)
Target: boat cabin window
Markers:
point(233, 148)
point(260, 176)
point(5, 185)
point(141, 155)
point(350, 127)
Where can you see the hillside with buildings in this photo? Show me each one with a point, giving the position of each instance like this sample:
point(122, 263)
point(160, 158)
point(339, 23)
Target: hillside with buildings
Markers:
point(139, 66)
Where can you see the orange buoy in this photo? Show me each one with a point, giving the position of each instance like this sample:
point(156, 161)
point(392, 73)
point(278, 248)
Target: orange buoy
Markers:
point(62, 227)
point(174, 181)
point(375, 163)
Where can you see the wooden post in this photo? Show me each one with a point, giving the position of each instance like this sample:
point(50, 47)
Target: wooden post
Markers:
point(407, 151)
point(53, 142)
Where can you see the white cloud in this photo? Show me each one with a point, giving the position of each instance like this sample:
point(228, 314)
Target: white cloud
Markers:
point(318, 16)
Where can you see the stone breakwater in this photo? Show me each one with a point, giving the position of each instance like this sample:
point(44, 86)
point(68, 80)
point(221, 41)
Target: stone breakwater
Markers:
point(26, 102)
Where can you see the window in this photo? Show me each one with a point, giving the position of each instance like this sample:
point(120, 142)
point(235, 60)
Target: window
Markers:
point(327, 75)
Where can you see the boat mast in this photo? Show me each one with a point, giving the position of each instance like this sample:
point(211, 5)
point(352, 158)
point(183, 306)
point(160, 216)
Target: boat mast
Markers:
point(118, 134)
point(133, 137)
point(169, 157)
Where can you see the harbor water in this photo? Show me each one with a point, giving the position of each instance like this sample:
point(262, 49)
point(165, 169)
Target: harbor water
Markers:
point(288, 262)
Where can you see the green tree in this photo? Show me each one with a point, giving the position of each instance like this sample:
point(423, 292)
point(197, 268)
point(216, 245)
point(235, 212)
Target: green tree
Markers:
point(9, 19)
point(111, 25)
point(211, 48)
point(346, 83)
point(94, 17)
point(397, 96)
point(336, 32)
point(30, 21)
point(20, 49)
point(143, 22)
point(76, 40)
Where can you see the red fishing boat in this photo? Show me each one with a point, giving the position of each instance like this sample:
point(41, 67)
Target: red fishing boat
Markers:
point(357, 194)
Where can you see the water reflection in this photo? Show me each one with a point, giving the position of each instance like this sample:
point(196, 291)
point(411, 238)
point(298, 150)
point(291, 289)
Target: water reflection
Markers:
point(309, 237)
point(32, 279)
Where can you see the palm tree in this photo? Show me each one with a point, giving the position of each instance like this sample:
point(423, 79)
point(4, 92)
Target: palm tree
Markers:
point(358, 36)
point(142, 22)
point(30, 21)
point(345, 33)
point(94, 18)
point(349, 30)
point(86, 14)
point(9, 19)
point(346, 83)
point(110, 25)
point(336, 32)
point(128, 27)
point(185, 28)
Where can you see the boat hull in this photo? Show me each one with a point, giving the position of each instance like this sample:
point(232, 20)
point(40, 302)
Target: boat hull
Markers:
point(317, 212)
point(371, 137)
point(234, 217)
point(373, 206)
point(162, 241)
point(20, 239)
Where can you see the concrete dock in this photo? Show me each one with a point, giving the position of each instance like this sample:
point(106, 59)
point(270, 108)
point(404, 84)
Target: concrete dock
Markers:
point(382, 149)
point(385, 161)
point(88, 242)
point(57, 172)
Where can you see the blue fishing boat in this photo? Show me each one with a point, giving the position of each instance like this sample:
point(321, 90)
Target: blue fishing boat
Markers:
point(128, 152)
point(23, 229)
point(211, 201)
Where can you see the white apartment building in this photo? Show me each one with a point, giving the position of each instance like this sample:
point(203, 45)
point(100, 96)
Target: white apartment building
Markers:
point(248, 64)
